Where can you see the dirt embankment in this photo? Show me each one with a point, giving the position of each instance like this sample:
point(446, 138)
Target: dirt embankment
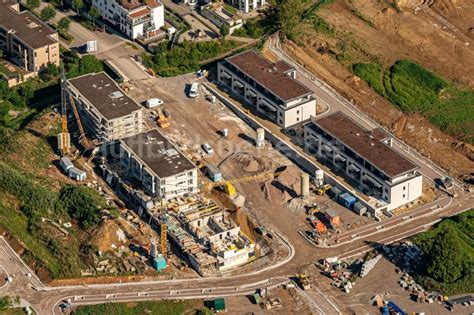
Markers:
point(390, 35)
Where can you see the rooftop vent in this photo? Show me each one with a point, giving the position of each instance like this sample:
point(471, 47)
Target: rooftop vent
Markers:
point(116, 94)
point(32, 25)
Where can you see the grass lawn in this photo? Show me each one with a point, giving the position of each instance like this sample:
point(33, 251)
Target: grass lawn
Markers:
point(13, 311)
point(136, 308)
point(414, 89)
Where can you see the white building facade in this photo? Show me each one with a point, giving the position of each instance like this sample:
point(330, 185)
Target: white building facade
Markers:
point(247, 5)
point(106, 112)
point(365, 158)
point(271, 88)
point(136, 19)
point(161, 170)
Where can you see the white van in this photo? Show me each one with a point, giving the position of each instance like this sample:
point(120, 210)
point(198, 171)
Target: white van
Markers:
point(153, 102)
point(194, 90)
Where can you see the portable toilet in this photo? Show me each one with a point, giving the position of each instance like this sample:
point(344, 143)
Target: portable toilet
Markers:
point(347, 200)
point(159, 262)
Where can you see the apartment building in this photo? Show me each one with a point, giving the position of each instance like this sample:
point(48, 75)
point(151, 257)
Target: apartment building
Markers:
point(365, 157)
point(157, 166)
point(26, 40)
point(247, 5)
point(138, 19)
point(271, 88)
point(106, 112)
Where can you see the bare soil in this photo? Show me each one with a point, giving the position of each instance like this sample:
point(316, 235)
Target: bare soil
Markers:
point(434, 36)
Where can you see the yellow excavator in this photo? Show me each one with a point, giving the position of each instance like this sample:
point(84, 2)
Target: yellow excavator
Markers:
point(162, 120)
point(229, 187)
point(322, 190)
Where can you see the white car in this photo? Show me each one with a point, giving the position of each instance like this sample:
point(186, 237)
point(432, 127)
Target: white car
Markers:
point(207, 148)
point(153, 102)
point(194, 90)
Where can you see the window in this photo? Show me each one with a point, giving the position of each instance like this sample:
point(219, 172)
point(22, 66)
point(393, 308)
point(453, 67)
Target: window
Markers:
point(404, 195)
point(404, 188)
point(297, 119)
point(298, 112)
point(386, 190)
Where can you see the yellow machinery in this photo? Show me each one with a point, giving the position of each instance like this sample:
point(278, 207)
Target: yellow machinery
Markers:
point(312, 210)
point(229, 187)
point(64, 138)
point(322, 190)
point(163, 238)
point(162, 120)
point(304, 281)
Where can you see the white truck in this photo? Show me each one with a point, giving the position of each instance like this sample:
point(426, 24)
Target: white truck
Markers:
point(153, 102)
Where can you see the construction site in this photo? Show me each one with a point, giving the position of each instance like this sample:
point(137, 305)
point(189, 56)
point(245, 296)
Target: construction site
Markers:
point(209, 206)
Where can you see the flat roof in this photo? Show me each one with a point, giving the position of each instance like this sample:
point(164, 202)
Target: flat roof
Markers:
point(105, 95)
point(273, 76)
point(366, 143)
point(26, 26)
point(159, 154)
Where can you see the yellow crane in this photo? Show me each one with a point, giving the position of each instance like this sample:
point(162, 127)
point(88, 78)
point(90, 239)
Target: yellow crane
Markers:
point(64, 139)
point(82, 139)
point(163, 238)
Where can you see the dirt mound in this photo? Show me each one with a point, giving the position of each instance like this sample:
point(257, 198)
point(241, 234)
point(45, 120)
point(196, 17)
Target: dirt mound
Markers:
point(108, 235)
point(285, 187)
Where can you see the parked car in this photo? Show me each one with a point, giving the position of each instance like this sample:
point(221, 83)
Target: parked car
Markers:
point(207, 148)
point(194, 90)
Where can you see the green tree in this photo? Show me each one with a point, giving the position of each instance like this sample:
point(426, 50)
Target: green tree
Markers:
point(224, 30)
point(90, 64)
point(64, 24)
point(94, 14)
point(77, 5)
point(83, 204)
point(5, 302)
point(446, 259)
point(33, 4)
point(48, 72)
point(290, 16)
point(48, 13)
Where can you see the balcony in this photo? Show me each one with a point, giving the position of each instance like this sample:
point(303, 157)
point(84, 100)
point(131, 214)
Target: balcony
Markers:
point(150, 37)
point(142, 20)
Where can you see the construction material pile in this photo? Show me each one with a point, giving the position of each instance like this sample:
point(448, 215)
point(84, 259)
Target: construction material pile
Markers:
point(286, 186)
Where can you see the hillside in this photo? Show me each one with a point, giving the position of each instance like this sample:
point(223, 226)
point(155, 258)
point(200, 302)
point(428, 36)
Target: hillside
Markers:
point(336, 35)
point(448, 249)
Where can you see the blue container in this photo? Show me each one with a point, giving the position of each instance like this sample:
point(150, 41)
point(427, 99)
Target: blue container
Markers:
point(159, 263)
point(213, 173)
point(347, 200)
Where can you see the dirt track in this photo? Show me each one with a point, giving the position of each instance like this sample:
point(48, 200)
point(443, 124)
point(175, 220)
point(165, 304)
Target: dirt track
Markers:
point(406, 33)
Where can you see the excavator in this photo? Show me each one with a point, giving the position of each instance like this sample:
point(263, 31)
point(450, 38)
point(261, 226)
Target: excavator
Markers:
point(162, 120)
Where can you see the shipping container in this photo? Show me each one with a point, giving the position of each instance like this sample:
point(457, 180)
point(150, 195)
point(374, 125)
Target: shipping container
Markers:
point(213, 173)
point(334, 192)
point(347, 200)
point(359, 208)
point(333, 218)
